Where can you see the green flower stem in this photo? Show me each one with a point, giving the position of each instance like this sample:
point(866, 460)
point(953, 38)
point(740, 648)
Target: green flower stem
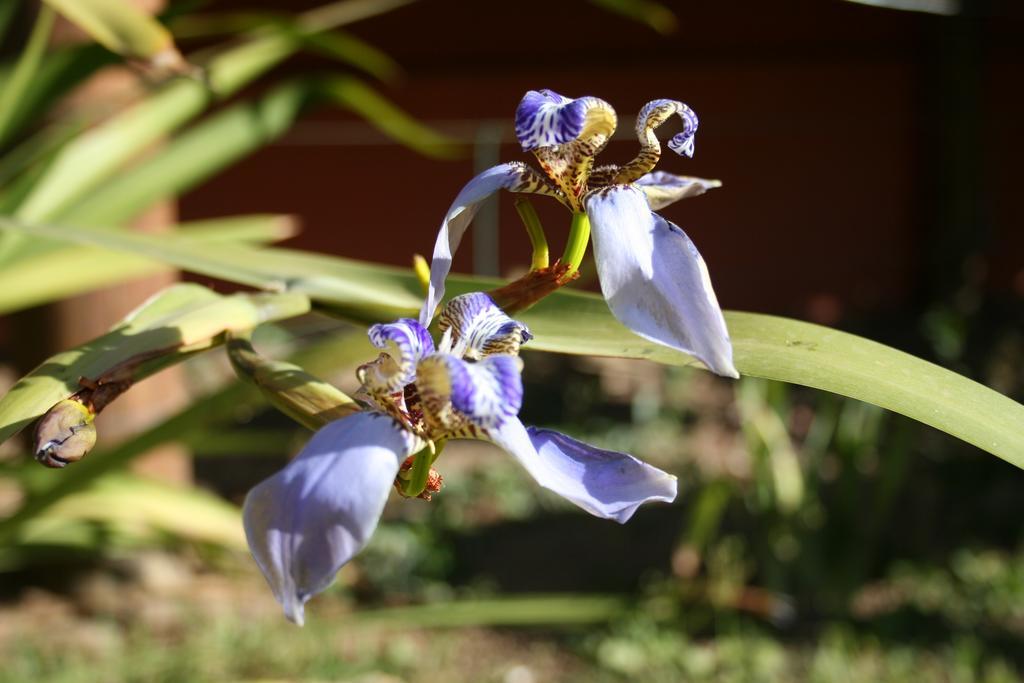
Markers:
point(416, 482)
point(536, 232)
point(576, 246)
point(438, 447)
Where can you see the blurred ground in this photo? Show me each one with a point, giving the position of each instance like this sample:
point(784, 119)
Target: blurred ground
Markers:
point(168, 624)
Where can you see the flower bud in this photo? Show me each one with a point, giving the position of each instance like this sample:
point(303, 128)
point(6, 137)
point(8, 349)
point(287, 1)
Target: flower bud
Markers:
point(65, 434)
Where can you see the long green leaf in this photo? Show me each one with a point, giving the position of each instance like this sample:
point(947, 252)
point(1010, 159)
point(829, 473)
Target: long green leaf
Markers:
point(180, 320)
point(95, 156)
point(131, 502)
point(51, 486)
point(123, 28)
point(209, 146)
point(389, 119)
point(193, 156)
point(347, 48)
point(14, 88)
point(64, 271)
point(59, 72)
point(57, 485)
point(362, 289)
point(35, 149)
point(580, 323)
point(811, 355)
point(338, 45)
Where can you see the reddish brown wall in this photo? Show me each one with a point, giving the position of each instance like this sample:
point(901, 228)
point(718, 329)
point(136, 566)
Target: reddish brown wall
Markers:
point(813, 113)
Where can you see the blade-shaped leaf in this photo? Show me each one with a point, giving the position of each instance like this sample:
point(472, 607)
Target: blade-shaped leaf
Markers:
point(95, 156)
point(180, 320)
point(122, 27)
point(15, 86)
point(191, 514)
point(193, 156)
point(339, 45)
point(209, 146)
point(50, 486)
point(580, 323)
point(347, 48)
point(129, 501)
point(364, 290)
point(389, 119)
point(56, 271)
point(814, 356)
point(60, 71)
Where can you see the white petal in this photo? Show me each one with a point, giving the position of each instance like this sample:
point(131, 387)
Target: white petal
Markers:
point(515, 177)
point(664, 188)
point(474, 327)
point(604, 483)
point(654, 279)
point(313, 516)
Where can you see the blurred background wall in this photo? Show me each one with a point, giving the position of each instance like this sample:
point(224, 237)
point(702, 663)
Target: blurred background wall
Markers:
point(869, 157)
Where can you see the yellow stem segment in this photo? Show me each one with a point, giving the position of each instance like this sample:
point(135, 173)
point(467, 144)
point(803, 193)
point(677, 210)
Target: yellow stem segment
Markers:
point(536, 233)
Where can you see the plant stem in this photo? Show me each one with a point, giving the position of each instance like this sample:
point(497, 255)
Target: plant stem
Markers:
point(420, 472)
point(536, 232)
point(576, 246)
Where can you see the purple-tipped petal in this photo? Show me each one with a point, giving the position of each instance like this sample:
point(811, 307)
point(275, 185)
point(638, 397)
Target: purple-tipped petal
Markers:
point(664, 188)
point(654, 279)
point(546, 119)
point(486, 393)
point(406, 342)
point(474, 327)
point(651, 116)
point(565, 135)
point(514, 177)
point(657, 112)
point(604, 483)
point(313, 516)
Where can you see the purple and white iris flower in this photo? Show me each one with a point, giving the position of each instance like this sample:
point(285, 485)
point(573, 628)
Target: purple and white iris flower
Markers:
point(313, 516)
point(652, 276)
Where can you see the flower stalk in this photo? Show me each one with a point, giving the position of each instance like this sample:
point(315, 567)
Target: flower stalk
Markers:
point(415, 482)
point(535, 231)
point(576, 245)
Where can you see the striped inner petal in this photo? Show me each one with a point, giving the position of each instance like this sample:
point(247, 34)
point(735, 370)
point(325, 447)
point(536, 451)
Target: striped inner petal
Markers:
point(473, 327)
point(651, 116)
point(456, 394)
point(565, 135)
point(404, 343)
